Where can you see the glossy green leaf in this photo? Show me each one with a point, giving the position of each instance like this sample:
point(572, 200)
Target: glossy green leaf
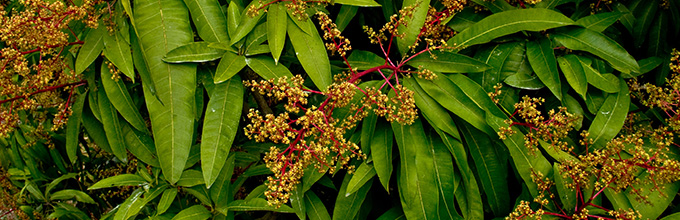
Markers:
point(267, 68)
point(508, 22)
point(525, 162)
point(69, 194)
point(610, 117)
point(112, 126)
point(347, 204)
point(190, 178)
point(58, 180)
point(257, 204)
point(91, 49)
point(345, 15)
point(233, 19)
point(448, 62)
point(73, 127)
point(360, 176)
point(491, 169)
point(220, 126)
point(195, 212)
point(277, 23)
point(255, 38)
point(598, 44)
point(524, 81)
point(193, 52)
point(117, 50)
point(246, 24)
point(315, 207)
point(567, 195)
point(415, 22)
point(433, 111)
point(416, 178)
point(464, 19)
point(166, 200)
point(658, 199)
point(497, 56)
point(476, 94)
point(644, 16)
point(210, 22)
point(364, 60)
point(172, 112)
point(573, 71)
point(229, 66)
point(542, 59)
point(297, 201)
point(551, 3)
point(606, 82)
point(453, 99)
point(141, 145)
point(124, 209)
point(95, 129)
point(368, 131)
point(657, 43)
point(646, 65)
point(119, 180)
point(444, 174)
point(141, 66)
point(117, 94)
point(360, 3)
point(311, 52)
point(220, 192)
point(495, 6)
point(599, 22)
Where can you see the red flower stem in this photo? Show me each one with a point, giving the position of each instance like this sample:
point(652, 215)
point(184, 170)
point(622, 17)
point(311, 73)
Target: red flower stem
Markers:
point(356, 77)
point(79, 83)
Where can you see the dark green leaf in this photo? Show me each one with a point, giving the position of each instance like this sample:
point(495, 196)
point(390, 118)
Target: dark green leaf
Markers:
point(91, 49)
point(361, 3)
point(141, 145)
point(73, 127)
point(210, 22)
point(606, 82)
point(360, 176)
point(311, 52)
point(166, 200)
point(449, 62)
point(599, 22)
point(267, 68)
point(117, 50)
point(381, 152)
point(347, 12)
point(69, 194)
point(433, 111)
point(444, 176)
point(508, 22)
point(364, 60)
point(543, 62)
point(118, 95)
point(347, 204)
point(644, 14)
point(495, 6)
point(229, 66)
point(195, 212)
point(415, 22)
point(277, 23)
point(112, 126)
point(297, 201)
point(573, 71)
point(524, 81)
point(600, 45)
point(125, 209)
point(220, 192)
point(190, 178)
point(246, 24)
point(315, 207)
point(610, 117)
point(193, 52)
point(257, 204)
point(119, 180)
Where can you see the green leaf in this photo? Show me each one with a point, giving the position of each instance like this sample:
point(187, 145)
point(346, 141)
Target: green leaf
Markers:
point(381, 152)
point(464, 19)
point(524, 81)
point(497, 56)
point(416, 177)
point(117, 50)
point(658, 35)
point(267, 68)
point(73, 127)
point(315, 208)
point(542, 59)
point(598, 44)
point(610, 117)
point(433, 111)
point(476, 94)
point(551, 3)
point(172, 112)
point(566, 194)
point(364, 60)
point(69, 194)
point(277, 23)
point(345, 15)
point(166, 200)
point(311, 52)
point(118, 95)
point(491, 169)
point(448, 62)
point(257, 204)
point(453, 99)
point(95, 129)
point(606, 82)
point(658, 197)
point(190, 178)
point(508, 22)
point(363, 174)
point(255, 38)
point(141, 145)
point(599, 22)
point(233, 18)
point(220, 127)
point(125, 209)
point(220, 192)
point(141, 66)
point(195, 212)
point(58, 180)
point(644, 14)
point(525, 162)
point(360, 3)
point(119, 180)
point(573, 71)
point(495, 6)
point(193, 52)
point(210, 22)
point(444, 176)
point(112, 126)
point(229, 66)
point(347, 204)
point(415, 23)
point(368, 131)
point(646, 65)
point(246, 24)
point(297, 201)
point(91, 49)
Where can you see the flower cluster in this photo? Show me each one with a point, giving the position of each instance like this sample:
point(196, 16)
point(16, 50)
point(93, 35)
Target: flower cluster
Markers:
point(338, 43)
point(297, 7)
point(31, 63)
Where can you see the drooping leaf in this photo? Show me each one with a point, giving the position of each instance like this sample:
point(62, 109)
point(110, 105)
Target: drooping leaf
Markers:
point(606, 82)
point(598, 44)
point(210, 22)
point(542, 59)
point(644, 16)
point(220, 127)
point(347, 12)
point(73, 127)
point(610, 117)
point(444, 176)
point(220, 192)
point(124, 209)
point(118, 180)
point(229, 65)
point(415, 22)
point(599, 22)
point(166, 200)
point(508, 22)
point(193, 52)
point(246, 24)
point(112, 126)
point(573, 71)
point(172, 111)
point(195, 212)
point(311, 52)
point(118, 95)
point(360, 3)
point(448, 62)
point(91, 49)
point(360, 176)
point(347, 204)
point(433, 111)
point(277, 23)
point(315, 207)
point(524, 81)
point(267, 68)
point(117, 50)
point(141, 145)
point(381, 151)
